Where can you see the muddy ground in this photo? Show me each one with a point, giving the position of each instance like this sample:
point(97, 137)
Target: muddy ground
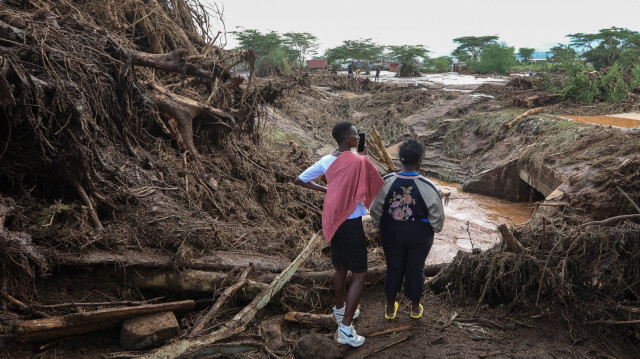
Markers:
point(104, 185)
point(449, 328)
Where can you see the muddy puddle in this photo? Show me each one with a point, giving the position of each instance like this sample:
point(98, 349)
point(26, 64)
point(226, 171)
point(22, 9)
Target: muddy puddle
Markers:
point(475, 216)
point(448, 81)
point(624, 120)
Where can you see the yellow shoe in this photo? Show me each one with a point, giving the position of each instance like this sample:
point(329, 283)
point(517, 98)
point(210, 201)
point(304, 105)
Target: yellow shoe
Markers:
point(417, 316)
point(395, 311)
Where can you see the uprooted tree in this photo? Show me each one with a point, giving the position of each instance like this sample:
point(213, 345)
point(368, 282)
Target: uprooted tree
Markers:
point(106, 107)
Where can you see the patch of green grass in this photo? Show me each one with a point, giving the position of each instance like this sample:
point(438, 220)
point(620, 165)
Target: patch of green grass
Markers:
point(46, 216)
point(447, 175)
point(274, 135)
point(487, 124)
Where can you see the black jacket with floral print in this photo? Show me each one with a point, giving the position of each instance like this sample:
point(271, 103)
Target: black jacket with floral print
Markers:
point(408, 198)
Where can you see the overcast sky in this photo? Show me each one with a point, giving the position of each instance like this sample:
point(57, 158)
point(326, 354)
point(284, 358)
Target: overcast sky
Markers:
point(540, 24)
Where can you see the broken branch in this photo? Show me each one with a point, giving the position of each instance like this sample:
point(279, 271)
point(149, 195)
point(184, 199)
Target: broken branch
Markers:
point(533, 111)
point(216, 307)
point(200, 346)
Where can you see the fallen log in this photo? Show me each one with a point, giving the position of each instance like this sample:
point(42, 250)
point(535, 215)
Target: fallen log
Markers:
point(128, 303)
point(608, 221)
point(79, 323)
point(319, 320)
point(512, 243)
point(527, 113)
point(218, 260)
point(208, 282)
point(190, 281)
point(200, 347)
point(374, 275)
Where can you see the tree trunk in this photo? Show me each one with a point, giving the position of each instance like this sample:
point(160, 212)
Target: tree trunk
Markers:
point(218, 260)
point(78, 323)
point(190, 281)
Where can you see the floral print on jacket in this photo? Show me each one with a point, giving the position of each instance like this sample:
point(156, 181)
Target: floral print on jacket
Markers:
point(400, 204)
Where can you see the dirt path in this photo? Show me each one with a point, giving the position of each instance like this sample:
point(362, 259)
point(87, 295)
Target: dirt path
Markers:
point(447, 331)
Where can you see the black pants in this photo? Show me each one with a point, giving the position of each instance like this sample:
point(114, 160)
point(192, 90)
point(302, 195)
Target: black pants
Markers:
point(406, 246)
point(349, 246)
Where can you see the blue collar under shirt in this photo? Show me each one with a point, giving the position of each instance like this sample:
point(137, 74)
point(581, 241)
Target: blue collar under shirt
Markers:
point(407, 173)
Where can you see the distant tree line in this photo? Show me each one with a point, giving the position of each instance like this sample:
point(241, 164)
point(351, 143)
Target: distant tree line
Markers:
point(603, 66)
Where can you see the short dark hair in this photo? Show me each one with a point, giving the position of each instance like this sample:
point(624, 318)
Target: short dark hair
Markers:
point(340, 130)
point(410, 152)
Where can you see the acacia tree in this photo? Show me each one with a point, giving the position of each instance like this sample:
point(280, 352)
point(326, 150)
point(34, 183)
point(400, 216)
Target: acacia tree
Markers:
point(407, 56)
point(302, 43)
point(469, 47)
point(363, 49)
point(526, 53)
point(273, 56)
point(605, 47)
point(562, 53)
point(495, 58)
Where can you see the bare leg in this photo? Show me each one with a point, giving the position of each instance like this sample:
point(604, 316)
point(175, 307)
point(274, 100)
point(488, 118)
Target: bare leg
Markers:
point(353, 296)
point(339, 280)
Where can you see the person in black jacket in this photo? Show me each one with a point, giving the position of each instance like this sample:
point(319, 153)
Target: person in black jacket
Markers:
point(407, 210)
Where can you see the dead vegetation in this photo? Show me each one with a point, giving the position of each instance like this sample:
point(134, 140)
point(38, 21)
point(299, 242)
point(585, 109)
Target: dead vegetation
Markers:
point(586, 275)
point(124, 131)
point(132, 166)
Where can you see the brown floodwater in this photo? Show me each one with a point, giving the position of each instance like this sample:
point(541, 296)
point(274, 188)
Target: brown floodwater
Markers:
point(630, 121)
point(472, 220)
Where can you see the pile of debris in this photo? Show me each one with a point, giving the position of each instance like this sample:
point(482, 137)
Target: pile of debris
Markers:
point(129, 146)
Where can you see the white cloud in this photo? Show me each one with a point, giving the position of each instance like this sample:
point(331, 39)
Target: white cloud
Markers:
point(538, 24)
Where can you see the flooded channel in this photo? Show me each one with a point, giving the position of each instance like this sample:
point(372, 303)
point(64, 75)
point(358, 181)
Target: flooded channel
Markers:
point(471, 221)
point(625, 120)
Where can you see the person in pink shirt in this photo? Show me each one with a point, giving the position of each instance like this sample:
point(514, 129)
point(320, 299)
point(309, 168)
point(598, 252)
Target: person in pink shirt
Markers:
point(352, 183)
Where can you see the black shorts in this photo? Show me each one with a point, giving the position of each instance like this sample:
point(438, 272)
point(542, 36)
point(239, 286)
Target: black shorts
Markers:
point(349, 246)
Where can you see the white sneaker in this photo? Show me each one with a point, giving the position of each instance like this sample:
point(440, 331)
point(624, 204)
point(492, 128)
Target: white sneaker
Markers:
point(338, 314)
point(347, 335)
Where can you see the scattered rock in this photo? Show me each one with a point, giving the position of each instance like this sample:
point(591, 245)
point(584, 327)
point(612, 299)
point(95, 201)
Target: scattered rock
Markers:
point(148, 331)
